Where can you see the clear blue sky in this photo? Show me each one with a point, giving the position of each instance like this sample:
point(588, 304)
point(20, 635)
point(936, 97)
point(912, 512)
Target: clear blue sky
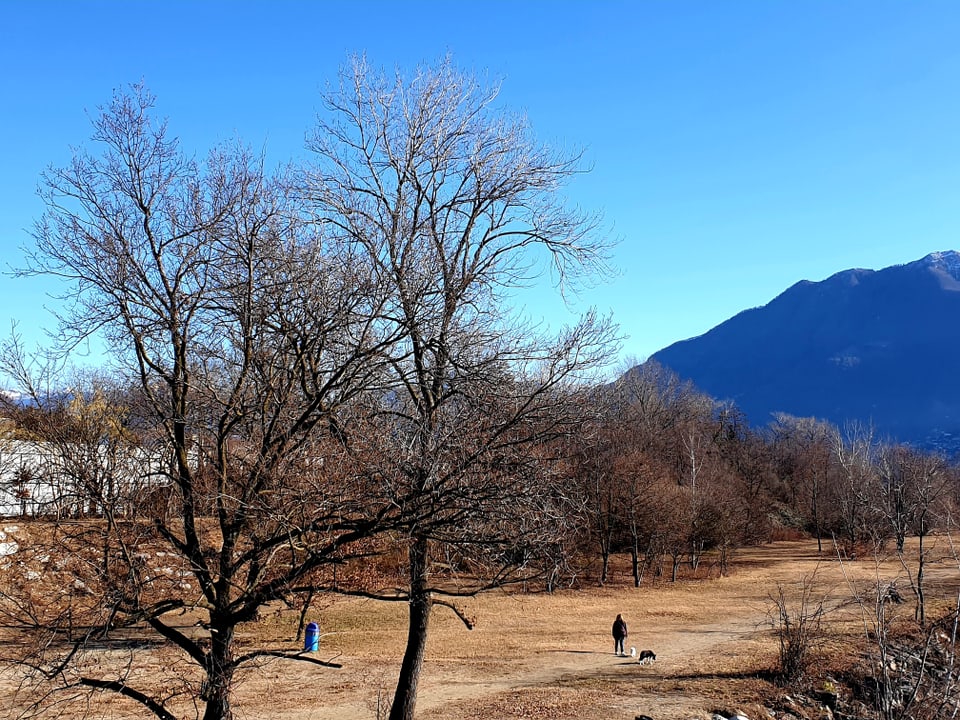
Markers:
point(736, 147)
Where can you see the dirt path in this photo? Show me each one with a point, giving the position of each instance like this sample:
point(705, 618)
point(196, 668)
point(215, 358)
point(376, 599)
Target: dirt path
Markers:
point(455, 687)
point(677, 648)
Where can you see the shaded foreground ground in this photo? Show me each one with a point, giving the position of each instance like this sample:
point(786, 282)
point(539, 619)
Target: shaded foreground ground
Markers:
point(551, 655)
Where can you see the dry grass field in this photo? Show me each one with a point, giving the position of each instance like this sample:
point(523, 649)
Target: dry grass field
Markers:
point(551, 656)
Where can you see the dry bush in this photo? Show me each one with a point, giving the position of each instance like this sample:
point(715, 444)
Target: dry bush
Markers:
point(798, 624)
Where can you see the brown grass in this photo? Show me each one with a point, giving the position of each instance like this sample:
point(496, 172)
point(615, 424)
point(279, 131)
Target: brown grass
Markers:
point(550, 656)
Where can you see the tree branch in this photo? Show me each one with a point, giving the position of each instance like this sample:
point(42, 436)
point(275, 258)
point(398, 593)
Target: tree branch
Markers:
point(118, 687)
point(285, 655)
point(467, 621)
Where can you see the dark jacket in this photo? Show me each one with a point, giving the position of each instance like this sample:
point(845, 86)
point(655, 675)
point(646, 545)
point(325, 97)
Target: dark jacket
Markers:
point(619, 628)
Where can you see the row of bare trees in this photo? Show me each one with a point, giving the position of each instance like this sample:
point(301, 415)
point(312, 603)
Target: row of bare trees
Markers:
point(865, 494)
point(669, 474)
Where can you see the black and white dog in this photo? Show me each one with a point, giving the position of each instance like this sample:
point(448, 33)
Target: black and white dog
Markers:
point(646, 656)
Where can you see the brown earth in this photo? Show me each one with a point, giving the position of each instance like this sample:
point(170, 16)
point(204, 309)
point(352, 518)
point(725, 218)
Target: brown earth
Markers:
point(551, 655)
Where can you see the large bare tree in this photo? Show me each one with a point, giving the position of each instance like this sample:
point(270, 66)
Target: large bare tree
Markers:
point(248, 335)
point(455, 205)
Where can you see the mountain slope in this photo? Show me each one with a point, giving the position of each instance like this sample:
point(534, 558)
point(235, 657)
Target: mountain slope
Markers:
point(874, 346)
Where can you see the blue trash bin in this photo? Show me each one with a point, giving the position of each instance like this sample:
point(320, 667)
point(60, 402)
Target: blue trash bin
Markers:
point(311, 640)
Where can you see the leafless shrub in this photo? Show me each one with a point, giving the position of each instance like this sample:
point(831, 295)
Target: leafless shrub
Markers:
point(797, 620)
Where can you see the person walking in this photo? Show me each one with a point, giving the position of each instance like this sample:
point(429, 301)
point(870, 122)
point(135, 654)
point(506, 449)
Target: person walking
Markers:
point(619, 635)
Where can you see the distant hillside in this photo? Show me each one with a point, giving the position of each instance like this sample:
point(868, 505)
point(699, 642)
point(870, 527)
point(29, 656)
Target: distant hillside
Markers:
point(875, 346)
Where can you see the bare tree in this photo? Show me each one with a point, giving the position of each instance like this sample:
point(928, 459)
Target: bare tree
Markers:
point(648, 403)
point(855, 518)
point(454, 204)
point(804, 449)
point(677, 503)
point(665, 435)
point(599, 466)
point(638, 475)
point(250, 338)
point(910, 674)
point(77, 445)
point(912, 489)
point(744, 495)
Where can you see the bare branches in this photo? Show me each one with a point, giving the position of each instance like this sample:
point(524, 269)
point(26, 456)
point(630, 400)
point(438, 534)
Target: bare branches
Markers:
point(317, 365)
point(439, 185)
point(797, 622)
point(467, 621)
point(126, 691)
point(452, 202)
point(284, 655)
point(249, 340)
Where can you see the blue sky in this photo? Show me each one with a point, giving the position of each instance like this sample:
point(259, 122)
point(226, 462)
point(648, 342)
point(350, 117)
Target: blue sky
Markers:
point(735, 147)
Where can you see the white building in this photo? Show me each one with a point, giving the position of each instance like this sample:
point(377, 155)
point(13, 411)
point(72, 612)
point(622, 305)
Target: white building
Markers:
point(39, 479)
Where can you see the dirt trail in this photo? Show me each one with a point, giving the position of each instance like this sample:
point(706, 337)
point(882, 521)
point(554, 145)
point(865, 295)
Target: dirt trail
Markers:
point(678, 649)
point(450, 685)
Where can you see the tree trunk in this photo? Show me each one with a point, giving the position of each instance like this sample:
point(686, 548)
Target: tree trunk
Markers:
point(303, 613)
point(605, 563)
point(696, 552)
point(816, 516)
point(405, 697)
point(218, 684)
point(920, 613)
point(649, 557)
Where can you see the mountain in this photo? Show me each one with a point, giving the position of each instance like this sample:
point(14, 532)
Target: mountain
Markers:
point(879, 347)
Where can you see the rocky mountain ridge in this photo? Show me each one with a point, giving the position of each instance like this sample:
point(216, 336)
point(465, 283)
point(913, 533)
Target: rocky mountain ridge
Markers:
point(877, 347)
